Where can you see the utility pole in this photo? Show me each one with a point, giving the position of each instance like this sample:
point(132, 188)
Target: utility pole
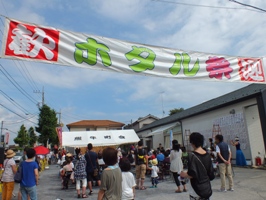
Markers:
point(2, 124)
point(59, 117)
point(39, 92)
point(42, 96)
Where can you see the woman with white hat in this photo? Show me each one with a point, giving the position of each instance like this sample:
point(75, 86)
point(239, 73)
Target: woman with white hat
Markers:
point(8, 175)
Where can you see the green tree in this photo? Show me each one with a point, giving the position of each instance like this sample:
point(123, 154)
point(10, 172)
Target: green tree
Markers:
point(46, 126)
point(175, 110)
point(32, 136)
point(23, 138)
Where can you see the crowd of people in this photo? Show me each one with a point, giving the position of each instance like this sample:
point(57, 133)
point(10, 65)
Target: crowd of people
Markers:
point(111, 168)
point(28, 170)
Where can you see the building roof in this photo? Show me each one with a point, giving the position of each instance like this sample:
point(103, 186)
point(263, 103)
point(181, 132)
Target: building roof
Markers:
point(95, 123)
point(248, 92)
point(146, 117)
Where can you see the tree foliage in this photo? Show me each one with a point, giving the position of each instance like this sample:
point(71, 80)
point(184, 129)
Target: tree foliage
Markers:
point(175, 110)
point(46, 126)
point(32, 136)
point(23, 138)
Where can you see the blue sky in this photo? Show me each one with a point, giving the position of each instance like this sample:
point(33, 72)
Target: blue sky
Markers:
point(86, 94)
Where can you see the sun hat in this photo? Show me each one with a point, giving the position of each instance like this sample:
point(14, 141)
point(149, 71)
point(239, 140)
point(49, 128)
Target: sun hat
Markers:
point(154, 162)
point(10, 153)
point(69, 155)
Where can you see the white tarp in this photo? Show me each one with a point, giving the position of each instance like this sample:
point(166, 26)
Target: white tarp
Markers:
point(161, 129)
point(99, 138)
point(38, 43)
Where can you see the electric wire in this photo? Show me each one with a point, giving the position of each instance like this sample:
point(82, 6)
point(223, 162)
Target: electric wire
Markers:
point(19, 121)
point(14, 102)
point(247, 5)
point(204, 6)
point(16, 113)
point(14, 82)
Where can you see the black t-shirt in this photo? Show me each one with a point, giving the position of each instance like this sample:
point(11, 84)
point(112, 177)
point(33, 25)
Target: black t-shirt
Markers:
point(140, 155)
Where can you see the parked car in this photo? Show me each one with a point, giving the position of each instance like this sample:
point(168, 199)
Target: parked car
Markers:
point(18, 157)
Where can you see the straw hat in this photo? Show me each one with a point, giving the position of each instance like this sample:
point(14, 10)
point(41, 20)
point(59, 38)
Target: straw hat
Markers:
point(69, 155)
point(154, 162)
point(10, 153)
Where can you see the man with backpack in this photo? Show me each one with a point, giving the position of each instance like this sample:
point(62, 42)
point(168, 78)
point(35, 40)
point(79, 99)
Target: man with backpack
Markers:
point(141, 160)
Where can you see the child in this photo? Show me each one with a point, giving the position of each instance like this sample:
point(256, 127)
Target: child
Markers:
point(111, 179)
point(128, 180)
point(154, 173)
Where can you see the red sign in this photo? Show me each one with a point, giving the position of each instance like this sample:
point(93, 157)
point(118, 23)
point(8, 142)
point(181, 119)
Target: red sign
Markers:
point(33, 42)
point(251, 70)
point(59, 134)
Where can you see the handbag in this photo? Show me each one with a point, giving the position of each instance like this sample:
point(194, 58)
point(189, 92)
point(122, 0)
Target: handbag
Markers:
point(203, 187)
point(18, 175)
point(95, 171)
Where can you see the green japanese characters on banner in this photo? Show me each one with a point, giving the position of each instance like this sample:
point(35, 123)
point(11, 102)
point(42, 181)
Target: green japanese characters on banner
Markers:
point(92, 49)
point(33, 42)
point(183, 60)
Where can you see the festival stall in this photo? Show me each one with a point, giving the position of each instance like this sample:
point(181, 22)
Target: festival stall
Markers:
point(99, 138)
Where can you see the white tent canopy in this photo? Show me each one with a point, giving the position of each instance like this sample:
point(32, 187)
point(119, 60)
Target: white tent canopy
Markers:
point(99, 138)
point(161, 129)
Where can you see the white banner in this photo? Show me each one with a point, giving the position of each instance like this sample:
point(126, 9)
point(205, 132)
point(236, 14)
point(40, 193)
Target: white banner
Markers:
point(45, 44)
point(99, 138)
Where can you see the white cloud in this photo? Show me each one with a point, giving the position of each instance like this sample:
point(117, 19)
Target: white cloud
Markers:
point(119, 10)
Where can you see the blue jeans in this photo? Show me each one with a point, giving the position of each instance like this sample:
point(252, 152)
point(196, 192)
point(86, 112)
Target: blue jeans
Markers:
point(31, 191)
point(154, 180)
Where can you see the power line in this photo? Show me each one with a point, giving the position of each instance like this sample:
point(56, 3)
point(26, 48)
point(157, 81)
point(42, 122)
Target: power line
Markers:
point(247, 5)
point(18, 122)
point(4, 7)
point(17, 114)
point(14, 82)
point(203, 6)
point(14, 102)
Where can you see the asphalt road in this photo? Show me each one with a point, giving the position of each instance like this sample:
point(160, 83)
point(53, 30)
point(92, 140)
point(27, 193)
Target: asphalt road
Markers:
point(249, 185)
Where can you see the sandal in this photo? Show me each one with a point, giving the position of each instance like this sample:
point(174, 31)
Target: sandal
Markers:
point(84, 196)
point(143, 188)
point(137, 188)
point(79, 196)
point(90, 193)
point(178, 191)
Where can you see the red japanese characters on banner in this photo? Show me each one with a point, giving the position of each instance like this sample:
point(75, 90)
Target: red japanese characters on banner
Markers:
point(29, 41)
point(218, 67)
point(251, 70)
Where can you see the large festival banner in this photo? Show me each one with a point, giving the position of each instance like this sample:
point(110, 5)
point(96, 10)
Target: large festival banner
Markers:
point(32, 42)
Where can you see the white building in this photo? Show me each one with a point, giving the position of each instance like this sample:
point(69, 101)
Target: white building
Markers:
point(240, 113)
point(94, 125)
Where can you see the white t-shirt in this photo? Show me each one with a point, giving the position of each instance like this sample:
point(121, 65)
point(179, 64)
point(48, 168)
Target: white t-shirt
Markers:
point(154, 171)
point(128, 182)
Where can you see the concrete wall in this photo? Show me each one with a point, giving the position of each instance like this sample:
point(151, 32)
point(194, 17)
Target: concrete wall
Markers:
point(231, 125)
point(77, 129)
point(254, 130)
point(93, 129)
